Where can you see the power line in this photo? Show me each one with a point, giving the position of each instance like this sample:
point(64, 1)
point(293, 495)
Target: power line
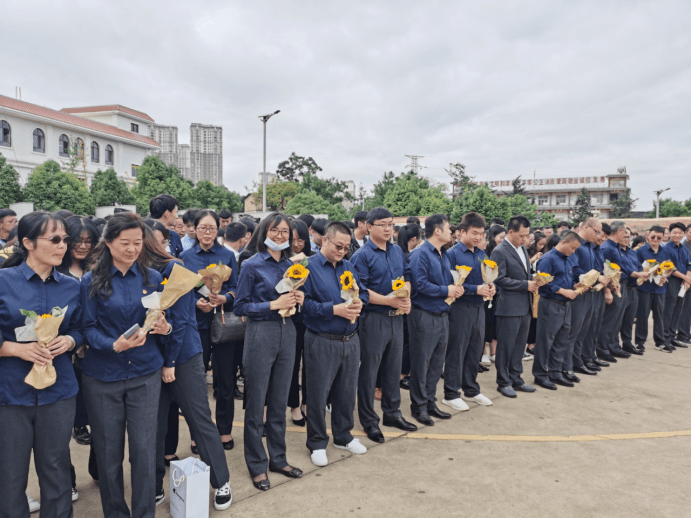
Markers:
point(414, 166)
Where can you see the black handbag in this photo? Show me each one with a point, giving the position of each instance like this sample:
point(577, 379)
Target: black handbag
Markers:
point(232, 330)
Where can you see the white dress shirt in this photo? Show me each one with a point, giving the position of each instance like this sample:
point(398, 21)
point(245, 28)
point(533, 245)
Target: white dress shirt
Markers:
point(519, 251)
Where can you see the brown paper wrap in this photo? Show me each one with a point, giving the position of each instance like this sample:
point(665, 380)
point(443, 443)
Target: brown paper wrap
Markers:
point(589, 279)
point(489, 275)
point(647, 267)
point(287, 284)
point(214, 277)
point(47, 329)
point(351, 295)
point(180, 282)
point(459, 275)
point(401, 292)
point(541, 282)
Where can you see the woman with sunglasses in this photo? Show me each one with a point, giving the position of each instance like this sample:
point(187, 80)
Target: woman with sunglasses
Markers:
point(269, 352)
point(38, 420)
point(207, 251)
point(121, 371)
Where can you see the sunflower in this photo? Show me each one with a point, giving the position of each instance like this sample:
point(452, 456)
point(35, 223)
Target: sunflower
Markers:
point(164, 282)
point(666, 265)
point(491, 264)
point(211, 266)
point(297, 271)
point(614, 266)
point(464, 267)
point(46, 316)
point(398, 284)
point(347, 280)
point(651, 261)
point(543, 274)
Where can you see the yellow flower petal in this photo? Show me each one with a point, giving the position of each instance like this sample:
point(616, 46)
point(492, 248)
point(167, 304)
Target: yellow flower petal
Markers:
point(164, 282)
point(347, 280)
point(491, 264)
point(398, 284)
point(45, 316)
point(464, 267)
point(211, 266)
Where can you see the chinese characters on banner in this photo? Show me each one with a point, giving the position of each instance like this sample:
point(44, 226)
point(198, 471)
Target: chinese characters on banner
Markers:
point(547, 182)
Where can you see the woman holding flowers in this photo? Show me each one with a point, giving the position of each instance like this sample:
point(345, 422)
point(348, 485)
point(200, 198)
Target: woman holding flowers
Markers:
point(121, 376)
point(269, 353)
point(37, 419)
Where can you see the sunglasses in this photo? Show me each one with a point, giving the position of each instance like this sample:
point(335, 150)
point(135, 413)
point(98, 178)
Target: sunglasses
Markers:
point(55, 240)
point(339, 248)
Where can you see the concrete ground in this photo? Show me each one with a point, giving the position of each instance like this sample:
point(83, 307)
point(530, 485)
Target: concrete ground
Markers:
point(589, 451)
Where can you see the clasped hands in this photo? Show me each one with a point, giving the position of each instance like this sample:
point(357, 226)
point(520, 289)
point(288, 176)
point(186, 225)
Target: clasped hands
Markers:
point(33, 352)
point(215, 300)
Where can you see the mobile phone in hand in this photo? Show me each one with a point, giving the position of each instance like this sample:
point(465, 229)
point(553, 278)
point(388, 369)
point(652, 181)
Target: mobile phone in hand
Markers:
point(129, 333)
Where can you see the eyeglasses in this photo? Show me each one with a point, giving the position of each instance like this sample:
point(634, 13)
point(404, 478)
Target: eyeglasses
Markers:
point(384, 226)
point(655, 238)
point(55, 240)
point(340, 248)
point(299, 242)
point(204, 230)
point(83, 243)
point(283, 232)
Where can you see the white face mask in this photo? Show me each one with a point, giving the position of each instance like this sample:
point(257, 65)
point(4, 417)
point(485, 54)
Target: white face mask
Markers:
point(275, 246)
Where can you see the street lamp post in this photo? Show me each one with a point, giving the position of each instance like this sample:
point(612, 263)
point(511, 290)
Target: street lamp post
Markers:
point(657, 204)
point(263, 119)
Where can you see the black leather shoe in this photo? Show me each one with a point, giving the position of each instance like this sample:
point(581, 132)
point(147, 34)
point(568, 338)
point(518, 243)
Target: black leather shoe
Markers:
point(374, 434)
point(482, 369)
point(621, 354)
point(601, 363)
point(228, 445)
point(433, 410)
point(405, 383)
point(570, 376)
point(593, 367)
point(295, 473)
point(262, 485)
point(632, 350)
point(423, 417)
point(194, 449)
point(606, 357)
point(584, 370)
point(400, 423)
point(562, 381)
point(81, 435)
point(679, 344)
point(545, 382)
point(238, 394)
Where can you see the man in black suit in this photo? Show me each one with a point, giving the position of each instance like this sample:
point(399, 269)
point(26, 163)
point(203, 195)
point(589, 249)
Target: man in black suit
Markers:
point(514, 306)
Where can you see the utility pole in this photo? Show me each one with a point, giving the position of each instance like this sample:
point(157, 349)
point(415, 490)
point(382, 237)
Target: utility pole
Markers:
point(414, 166)
point(657, 204)
point(263, 119)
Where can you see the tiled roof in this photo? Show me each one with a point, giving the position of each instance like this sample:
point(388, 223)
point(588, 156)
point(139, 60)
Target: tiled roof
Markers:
point(66, 118)
point(106, 108)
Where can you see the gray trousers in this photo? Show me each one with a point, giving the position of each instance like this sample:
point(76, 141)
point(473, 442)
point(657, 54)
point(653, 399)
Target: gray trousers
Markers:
point(512, 336)
point(612, 317)
point(115, 408)
point(190, 392)
point(464, 349)
point(629, 316)
point(590, 342)
point(381, 345)
point(45, 429)
point(552, 337)
point(331, 366)
point(684, 328)
point(673, 307)
point(648, 301)
point(268, 360)
point(428, 337)
point(581, 314)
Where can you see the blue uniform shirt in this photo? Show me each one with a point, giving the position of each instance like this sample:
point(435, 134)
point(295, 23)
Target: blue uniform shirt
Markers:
point(184, 342)
point(679, 255)
point(197, 259)
point(22, 289)
point(584, 260)
point(377, 269)
point(561, 267)
point(630, 265)
point(598, 259)
point(612, 252)
point(175, 244)
point(459, 255)
point(257, 286)
point(105, 320)
point(645, 253)
point(322, 292)
point(430, 276)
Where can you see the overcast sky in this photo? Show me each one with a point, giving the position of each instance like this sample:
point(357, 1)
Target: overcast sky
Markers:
point(507, 88)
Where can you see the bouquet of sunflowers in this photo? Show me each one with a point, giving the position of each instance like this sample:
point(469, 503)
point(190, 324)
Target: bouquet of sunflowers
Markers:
point(490, 272)
point(612, 271)
point(293, 278)
point(42, 329)
point(399, 290)
point(648, 266)
point(541, 279)
point(350, 291)
point(212, 281)
point(459, 274)
point(181, 281)
point(587, 280)
point(664, 270)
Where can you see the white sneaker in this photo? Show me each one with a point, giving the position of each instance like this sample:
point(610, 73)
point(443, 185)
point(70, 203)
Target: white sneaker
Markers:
point(34, 506)
point(457, 403)
point(328, 408)
point(527, 356)
point(480, 399)
point(319, 458)
point(485, 360)
point(209, 379)
point(75, 494)
point(223, 497)
point(354, 446)
point(493, 358)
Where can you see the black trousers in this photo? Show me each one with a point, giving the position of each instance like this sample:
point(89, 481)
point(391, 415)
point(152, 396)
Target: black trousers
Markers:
point(590, 343)
point(684, 327)
point(673, 307)
point(294, 393)
point(405, 358)
point(551, 343)
point(81, 419)
point(612, 317)
point(581, 314)
point(464, 349)
point(225, 362)
point(630, 309)
point(648, 301)
point(45, 430)
point(512, 334)
point(428, 337)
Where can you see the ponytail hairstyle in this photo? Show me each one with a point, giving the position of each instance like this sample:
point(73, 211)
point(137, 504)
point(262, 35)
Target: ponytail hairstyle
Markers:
point(32, 226)
point(102, 260)
point(152, 254)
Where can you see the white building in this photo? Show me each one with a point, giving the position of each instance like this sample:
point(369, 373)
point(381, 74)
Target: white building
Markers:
point(184, 161)
point(108, 135)
point(167, 137)
point(206, 153)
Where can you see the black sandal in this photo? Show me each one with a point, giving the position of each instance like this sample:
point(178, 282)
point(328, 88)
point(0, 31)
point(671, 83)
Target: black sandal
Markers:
point(262, 485)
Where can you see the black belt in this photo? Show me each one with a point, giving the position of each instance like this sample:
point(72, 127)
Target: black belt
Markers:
point(443, 314)
point(341, 338)
point(559, 301)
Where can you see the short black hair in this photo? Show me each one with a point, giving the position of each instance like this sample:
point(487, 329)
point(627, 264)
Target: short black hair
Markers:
point(413, 219)
point(155, 225)
point(497, 221)
point(235, 231)
point(307, 218)
point(564, 223)
point(677, 225)
point(6, 212)
point(64, 213)
point(517, 222)
point(606, 229)
point(188, 217)
point(224, 213)
point(436, 221)
point(350, 224)
point(360, 216)
point(569, 236)
point(472, 219)
point(378, 213)
point(249, 223)
point(657, 228)
point(638, 240)
point(162, 203)
point(396, 228)
point(334, 228)
point(319, 226)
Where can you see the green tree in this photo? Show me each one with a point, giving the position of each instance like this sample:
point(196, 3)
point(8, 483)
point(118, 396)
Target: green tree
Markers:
point(51, 189)
point(75, 158)
point(210, 196)
point(670, 208)
point(544, 219)
point(480, 200)
point(623, 206)
point(154, 177)
point(518, 188)
point(293, 169)
point(380, 189)
point(332, 190)
point(582, 210)
point(514, 205)
point(278, 194)
point(10, 191)
point(108, 189)
point(311, 203)
point(464, 182)
point(412, 195)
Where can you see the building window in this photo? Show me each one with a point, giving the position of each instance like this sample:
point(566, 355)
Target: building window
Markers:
point(64, 146)
point(80, 147)
point(135, 169)
point(134, 127)
point(109, 155)
point(597, 199)
point(95, 152)
point(613, 197)
point(542, 199)
point(561, 200)
point(39, 141)
point(5, 134)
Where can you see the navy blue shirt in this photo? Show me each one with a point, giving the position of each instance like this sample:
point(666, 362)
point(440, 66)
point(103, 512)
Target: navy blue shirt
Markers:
point(430, 276)
point(197, 259)
point(612, 252)
point(377, 269)
point(257, 286)
point(322, 292)
point(679, 255)
point(630, 264)
point(561, 267)
point(459, 255)
point(645, 253)
point(184, 342)
point(599, 259)
point(175, 244)
point(105, 320)
point(22, 289)
point(584, 260)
